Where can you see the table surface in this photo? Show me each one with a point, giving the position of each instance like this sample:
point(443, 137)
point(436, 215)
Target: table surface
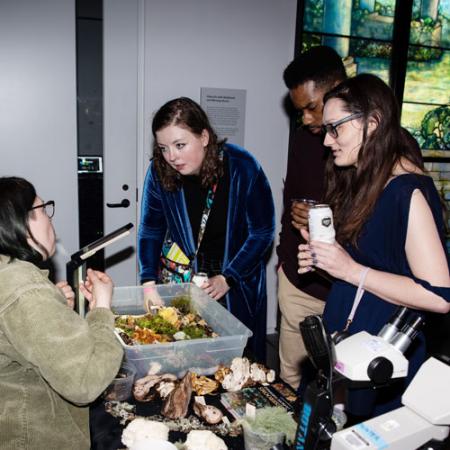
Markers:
point(106, 430)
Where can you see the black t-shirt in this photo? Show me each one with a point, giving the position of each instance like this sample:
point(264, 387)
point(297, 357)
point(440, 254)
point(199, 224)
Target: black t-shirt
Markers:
point(304, 179)
point(212, 247)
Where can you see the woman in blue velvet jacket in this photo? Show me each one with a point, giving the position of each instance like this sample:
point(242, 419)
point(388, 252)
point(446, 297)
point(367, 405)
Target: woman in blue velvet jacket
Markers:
point(190, 172)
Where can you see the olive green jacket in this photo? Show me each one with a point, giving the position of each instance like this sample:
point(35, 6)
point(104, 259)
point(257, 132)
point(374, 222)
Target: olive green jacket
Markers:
point(53, 363)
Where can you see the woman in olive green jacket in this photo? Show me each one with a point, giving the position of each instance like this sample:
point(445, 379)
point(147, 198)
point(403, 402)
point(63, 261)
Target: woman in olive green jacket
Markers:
point(53, 363)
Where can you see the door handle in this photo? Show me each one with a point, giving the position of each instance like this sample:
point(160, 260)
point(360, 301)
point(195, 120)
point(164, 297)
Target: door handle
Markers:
point(125, 203)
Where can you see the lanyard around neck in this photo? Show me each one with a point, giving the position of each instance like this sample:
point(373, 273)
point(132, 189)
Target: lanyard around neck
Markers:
point(206, 211)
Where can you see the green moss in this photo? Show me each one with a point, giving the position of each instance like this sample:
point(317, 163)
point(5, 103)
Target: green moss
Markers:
point(194, 332)
point(273, 420)
point(183, 303)
point(156, 323)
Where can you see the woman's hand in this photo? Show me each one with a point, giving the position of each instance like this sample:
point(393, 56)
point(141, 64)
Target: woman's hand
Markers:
point(216, 287)
point(97, 289)
point(335, 260)
point(332, 258)
point(305, 259)
point(151, 296)
point(67, 292)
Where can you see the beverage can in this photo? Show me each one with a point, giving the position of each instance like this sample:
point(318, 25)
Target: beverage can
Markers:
point(199, 278)
point(320, 221)
point(308, 201)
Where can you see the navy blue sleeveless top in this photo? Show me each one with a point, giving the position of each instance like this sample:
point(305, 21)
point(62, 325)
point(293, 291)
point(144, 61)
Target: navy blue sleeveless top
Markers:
point(381, 246)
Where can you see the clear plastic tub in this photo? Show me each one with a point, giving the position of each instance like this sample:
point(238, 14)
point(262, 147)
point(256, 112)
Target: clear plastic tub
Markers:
point(201, 356)
point(120, 387)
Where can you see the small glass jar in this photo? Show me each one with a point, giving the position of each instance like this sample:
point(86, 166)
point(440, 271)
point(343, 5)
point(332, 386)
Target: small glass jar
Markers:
point(199, 278)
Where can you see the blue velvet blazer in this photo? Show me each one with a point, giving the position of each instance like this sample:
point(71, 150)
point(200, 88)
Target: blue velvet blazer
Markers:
point(249, 235)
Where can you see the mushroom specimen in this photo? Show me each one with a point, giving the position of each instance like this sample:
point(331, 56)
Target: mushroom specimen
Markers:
point(204, 440)
point(177, 402)
point(243, 374)
point(141, 428)
point(142, 389)
point(208, 413)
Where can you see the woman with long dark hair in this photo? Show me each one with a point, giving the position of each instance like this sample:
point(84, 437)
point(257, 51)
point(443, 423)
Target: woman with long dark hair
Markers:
point(389, 226)
point(212, 199)
point(53, 363)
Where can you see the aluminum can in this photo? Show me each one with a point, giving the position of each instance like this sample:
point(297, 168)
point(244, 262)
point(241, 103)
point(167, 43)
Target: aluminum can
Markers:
point(308, 201)
point(320, 221)
point(199, 278)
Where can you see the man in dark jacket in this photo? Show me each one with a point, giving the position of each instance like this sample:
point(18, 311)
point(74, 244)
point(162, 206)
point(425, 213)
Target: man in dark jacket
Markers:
point(308, 77)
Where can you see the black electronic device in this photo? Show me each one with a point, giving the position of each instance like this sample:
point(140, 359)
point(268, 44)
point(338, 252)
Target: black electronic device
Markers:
point(315, 426)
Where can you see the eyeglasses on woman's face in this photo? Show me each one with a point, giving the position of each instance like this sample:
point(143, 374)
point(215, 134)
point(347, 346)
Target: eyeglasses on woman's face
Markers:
point(332, 128)
point(49, 208)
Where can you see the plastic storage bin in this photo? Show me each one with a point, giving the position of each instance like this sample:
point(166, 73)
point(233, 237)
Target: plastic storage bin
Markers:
point(201, 356)
point(120, 388)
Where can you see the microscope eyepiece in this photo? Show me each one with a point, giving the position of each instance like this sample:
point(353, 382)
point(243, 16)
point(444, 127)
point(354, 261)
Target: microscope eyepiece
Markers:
point(395, 323)
point(402, 340)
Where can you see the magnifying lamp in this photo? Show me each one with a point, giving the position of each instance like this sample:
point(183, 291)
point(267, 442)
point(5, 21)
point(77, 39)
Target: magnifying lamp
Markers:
point(76, 267)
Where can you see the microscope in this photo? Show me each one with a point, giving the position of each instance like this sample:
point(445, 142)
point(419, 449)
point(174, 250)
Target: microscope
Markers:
point(422, 423)
point(364, 360)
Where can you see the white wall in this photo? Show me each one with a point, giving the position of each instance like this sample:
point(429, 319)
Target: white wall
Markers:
point(38, 104)
point(239, 44)
point(188, 44)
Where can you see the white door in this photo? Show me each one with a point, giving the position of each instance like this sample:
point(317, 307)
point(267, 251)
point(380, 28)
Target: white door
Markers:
point(122, 95)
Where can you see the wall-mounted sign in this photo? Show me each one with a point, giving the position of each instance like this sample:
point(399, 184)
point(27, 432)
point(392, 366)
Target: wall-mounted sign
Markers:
point(226, 111)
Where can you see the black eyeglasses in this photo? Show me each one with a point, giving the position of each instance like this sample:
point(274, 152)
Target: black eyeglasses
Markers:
point(331, 128)
point(49, 208)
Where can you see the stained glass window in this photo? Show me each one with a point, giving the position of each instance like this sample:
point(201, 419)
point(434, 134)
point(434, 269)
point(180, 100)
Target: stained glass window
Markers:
point(361, 31)
point(426, 111)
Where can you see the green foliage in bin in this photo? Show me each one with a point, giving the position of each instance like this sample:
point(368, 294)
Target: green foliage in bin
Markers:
point(194, 332)
point(154, 322)
point(184, 304)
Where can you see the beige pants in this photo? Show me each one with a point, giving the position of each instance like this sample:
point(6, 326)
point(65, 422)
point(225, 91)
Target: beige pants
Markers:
point(295, 305)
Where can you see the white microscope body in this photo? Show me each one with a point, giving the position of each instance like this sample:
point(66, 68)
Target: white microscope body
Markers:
point(374, 361)
point(361, 355)
point(424, 416)
point(426, 412)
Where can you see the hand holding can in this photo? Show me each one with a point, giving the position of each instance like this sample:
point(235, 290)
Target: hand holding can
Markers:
point(199, 278)
point(299, 212)
point(321, 227)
